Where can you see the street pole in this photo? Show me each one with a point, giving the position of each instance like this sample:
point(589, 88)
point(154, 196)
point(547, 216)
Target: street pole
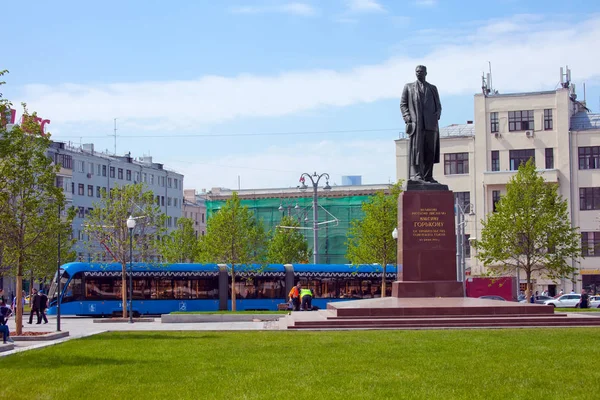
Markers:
point(58, 277)
point(131, 275)
point(314, 178)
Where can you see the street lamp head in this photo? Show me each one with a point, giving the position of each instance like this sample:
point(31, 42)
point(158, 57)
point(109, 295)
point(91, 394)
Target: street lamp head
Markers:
point(303, 186)
point(130, 222)
point(297, 206)
point(395, 233)
point(280, 207)
point(327, 187)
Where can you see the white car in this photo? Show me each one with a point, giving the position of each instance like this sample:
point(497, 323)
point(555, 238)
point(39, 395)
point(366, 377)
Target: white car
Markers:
point(564, 301)
point(594, 301)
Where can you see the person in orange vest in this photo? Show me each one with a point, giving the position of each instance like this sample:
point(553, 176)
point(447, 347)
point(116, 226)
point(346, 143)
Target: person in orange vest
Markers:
point(295, 296)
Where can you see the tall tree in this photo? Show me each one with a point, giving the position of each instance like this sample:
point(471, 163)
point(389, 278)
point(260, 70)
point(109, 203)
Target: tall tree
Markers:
point(234, 237)
point(106, 227)
point(29, 201)
point(530, 230)
point(181, 245)
point(287, 244)
point(370, 239)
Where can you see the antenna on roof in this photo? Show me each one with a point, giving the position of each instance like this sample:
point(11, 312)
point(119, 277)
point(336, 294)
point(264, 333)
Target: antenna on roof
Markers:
point(565, 77)
point(486, 82)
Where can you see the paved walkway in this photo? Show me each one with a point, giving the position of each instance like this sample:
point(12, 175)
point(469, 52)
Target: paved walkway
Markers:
point(81, 327)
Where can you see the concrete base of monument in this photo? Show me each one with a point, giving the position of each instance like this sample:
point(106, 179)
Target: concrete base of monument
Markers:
point(434, 313)
point(427, 289)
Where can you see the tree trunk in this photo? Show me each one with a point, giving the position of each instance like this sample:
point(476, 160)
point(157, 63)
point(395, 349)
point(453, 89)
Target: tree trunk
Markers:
point(233, 296)
point(383, 282)
point(528, 292)
point(19, 305)
point(124, 288)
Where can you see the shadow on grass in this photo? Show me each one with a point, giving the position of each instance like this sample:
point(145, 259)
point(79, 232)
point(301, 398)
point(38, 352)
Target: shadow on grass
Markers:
point(154, 336)
point(66, 360)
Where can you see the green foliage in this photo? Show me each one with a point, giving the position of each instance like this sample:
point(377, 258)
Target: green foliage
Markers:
point(181, 245)
point(106, 227)
point(370, 239)
point(287, 244)
point(29, 204)
point(233, 237)
point(530, 230)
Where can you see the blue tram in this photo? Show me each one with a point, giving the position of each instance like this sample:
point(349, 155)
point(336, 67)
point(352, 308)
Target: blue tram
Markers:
point(94, 289)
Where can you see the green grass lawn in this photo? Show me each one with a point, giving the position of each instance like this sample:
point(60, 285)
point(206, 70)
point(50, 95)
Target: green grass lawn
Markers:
point(577, 309)
point(427, 364)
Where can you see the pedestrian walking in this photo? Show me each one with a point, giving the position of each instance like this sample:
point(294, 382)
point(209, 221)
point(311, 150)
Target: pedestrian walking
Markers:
point(34, 303)
point(43, 306)
point(584, 301)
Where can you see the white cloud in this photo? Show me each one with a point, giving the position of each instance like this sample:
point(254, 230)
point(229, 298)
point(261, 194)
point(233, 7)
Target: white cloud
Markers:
point(281, 166)
point(426, 3)
point(522, 57)
point(364, 6)
point(301, 9)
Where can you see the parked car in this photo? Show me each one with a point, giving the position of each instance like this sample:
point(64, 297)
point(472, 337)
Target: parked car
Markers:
point(594, 301)
point(565, 301)
point(539, 299)
point(491, 297)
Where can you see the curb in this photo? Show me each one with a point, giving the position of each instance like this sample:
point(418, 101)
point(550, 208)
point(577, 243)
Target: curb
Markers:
point(41, 338)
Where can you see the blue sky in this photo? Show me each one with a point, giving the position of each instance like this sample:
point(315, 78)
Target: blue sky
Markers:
point(221, 89)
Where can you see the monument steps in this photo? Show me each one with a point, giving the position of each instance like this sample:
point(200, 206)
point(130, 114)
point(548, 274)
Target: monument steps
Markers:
point(460, 322)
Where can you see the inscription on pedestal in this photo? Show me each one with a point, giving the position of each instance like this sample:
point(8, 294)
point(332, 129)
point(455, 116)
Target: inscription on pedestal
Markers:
point(428, 226)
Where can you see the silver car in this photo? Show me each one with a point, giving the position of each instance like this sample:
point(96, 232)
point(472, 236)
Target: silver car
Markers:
point(594, 301)
point(565, 301)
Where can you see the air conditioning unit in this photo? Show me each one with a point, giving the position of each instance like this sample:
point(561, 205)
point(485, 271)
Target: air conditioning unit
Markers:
point(89, 175)
point(529, 134)
point(498, 135)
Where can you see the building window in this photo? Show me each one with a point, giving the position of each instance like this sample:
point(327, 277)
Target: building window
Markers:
point(495, 160)
point(162, 200)
point(590, 241)
point(520, 120)
point(175, 201)
point(169, 201)
point(64, 160)
point(98, 191)
point(120, 173)
point(128, 174)
point(91, 168)
point(548, 120)
point(494, 124)
point(589, 198)
point(144, 177)
point(90, 190)
point(80, 189)
point(456, 163)
point(463, 199)
point(467, 246)
point(81, 212)
point(518, 157)
point(152, 179)
point(176, 184)
point(203, 220)
point(99, 169)
point(112, 172)
point(73, 187)
point(158, 200)
point(80, 166)
point(495, 199)
point(170, 182)
point(104, 170)
point(549, 158)
point(589, 157)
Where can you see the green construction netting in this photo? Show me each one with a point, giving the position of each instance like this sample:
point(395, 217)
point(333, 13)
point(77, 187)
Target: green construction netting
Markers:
point(332, 236)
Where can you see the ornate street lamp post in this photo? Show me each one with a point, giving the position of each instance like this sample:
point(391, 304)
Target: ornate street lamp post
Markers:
point(314, 178)
point(131, 227)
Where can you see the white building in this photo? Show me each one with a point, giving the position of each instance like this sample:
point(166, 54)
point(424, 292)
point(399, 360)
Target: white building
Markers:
point(86, 172)
point(552, 127)
point(194, 208)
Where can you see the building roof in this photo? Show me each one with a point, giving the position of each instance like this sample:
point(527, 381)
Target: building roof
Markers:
point(456, 130)
point(584, 121)
point(295, 192)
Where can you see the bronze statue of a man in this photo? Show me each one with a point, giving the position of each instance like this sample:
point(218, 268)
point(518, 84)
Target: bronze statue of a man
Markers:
point(421, 109)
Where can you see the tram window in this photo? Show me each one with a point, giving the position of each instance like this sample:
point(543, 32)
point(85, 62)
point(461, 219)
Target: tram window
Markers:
point(206, 288)
point(183, 289)
point(141, 289)
point(74, 290)
point(351, 289)
point(260, 288)
point(161, 289)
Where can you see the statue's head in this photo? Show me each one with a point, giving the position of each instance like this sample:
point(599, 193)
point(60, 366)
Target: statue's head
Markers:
point(421, 72)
